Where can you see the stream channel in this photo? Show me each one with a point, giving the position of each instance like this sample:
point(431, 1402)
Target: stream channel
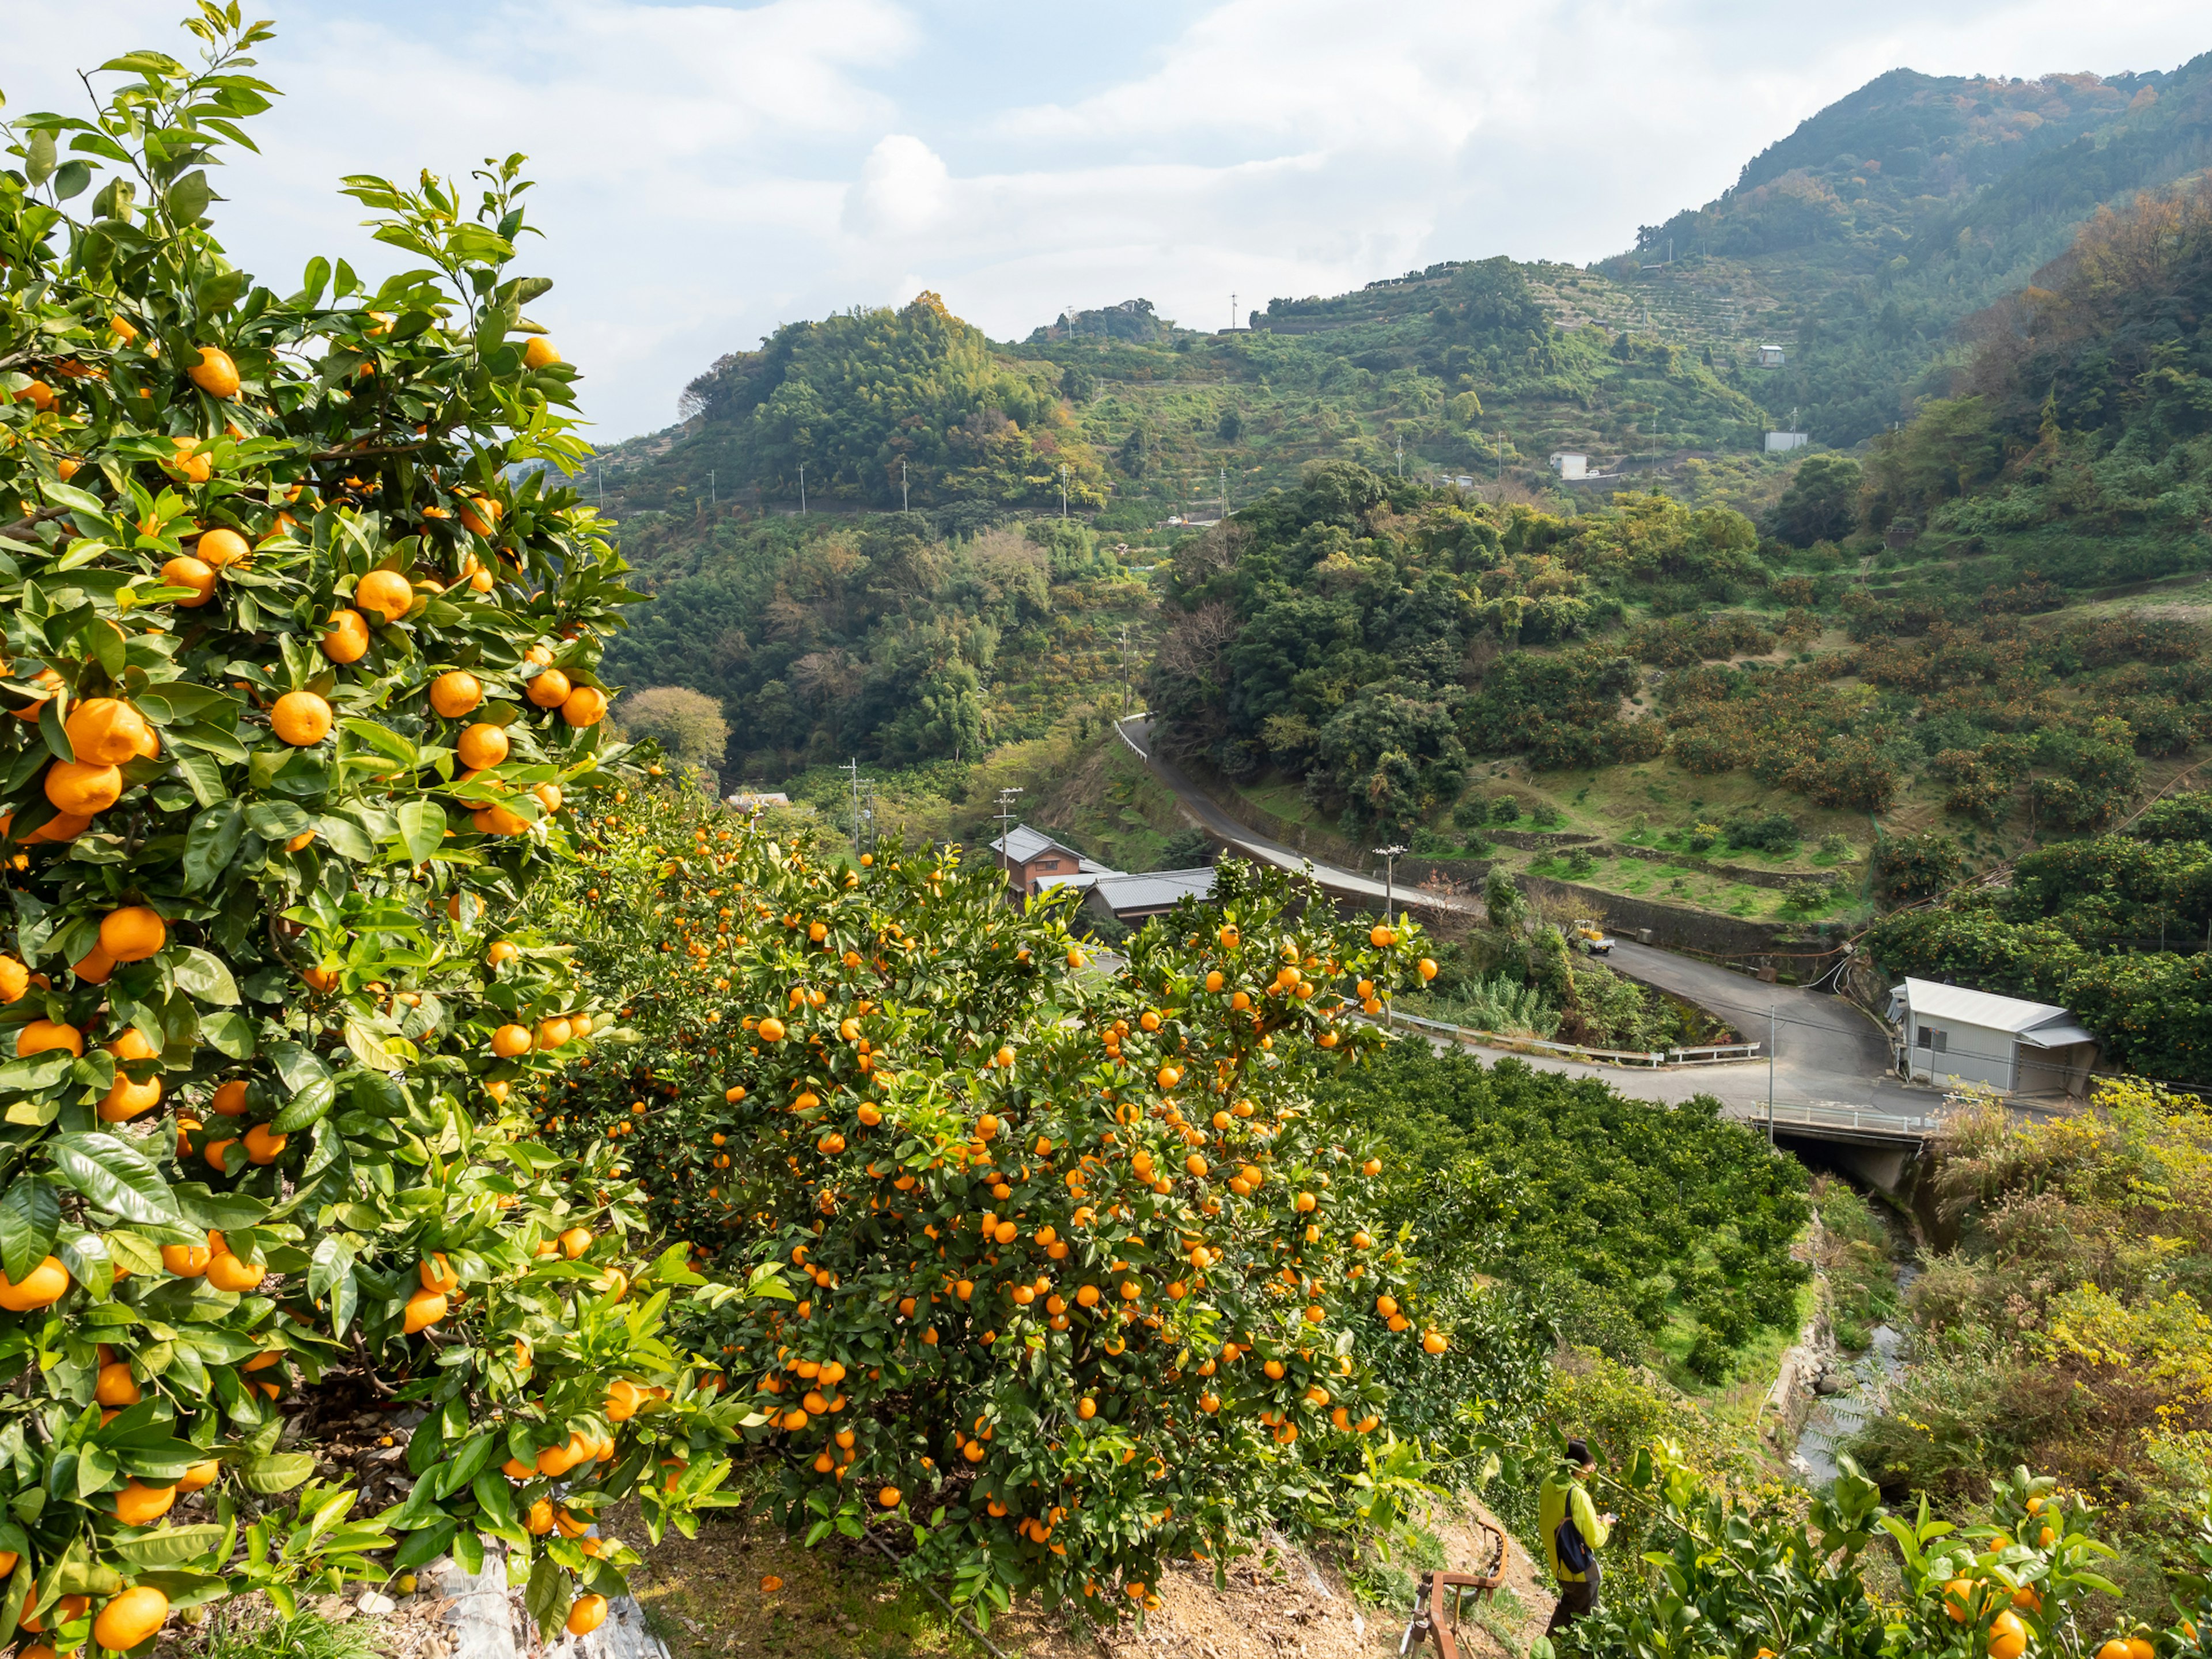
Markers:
point(1864, 1380)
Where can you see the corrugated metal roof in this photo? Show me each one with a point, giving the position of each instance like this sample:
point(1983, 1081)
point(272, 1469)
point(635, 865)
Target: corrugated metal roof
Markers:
point(1023, 843)
point(2056, 1036)
point(1154, 890)
point(1931, 1000)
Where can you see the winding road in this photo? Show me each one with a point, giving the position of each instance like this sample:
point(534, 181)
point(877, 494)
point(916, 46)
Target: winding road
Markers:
point(1829, 1054)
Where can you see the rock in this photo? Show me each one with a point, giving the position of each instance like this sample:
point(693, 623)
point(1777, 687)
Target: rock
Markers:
point(1826, 1383)
point(375, 1603)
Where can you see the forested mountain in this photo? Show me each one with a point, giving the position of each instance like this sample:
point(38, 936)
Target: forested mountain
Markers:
point(1886, 218)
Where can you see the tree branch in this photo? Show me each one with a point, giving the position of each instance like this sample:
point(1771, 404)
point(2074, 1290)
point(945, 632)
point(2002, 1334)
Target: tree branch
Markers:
point(24, 526)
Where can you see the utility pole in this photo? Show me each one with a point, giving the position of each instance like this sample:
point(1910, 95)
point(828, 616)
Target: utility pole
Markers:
point(1005, 829)
point(1224, 497)
point(1232, 311)
point(1063, 489)
point(802, 489)
point(1400, 453)
point(1769, 1074)
point(713, 497)
point(1125, 682)
point(901, 483)
point(1389, 855)
point(600, 468)
point(871, 815)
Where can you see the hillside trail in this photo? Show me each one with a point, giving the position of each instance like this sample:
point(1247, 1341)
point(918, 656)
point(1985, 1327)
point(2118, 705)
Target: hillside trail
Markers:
point(702, 1596)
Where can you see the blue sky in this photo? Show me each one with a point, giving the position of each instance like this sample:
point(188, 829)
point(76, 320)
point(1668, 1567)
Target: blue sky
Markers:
point(711, 170)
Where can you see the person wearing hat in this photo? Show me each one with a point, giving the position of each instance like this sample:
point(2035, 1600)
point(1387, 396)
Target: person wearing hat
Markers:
point(1574, 1532)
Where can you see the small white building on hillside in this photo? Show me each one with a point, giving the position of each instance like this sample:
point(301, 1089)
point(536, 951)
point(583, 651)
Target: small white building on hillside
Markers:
point(1950, 1036)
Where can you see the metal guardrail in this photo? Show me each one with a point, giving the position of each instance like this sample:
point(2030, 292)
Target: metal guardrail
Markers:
point(1899, 1125)
point(1716, 1055)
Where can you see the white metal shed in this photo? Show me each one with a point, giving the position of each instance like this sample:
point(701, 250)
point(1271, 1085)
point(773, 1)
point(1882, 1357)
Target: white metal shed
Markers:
point(1950, 1034)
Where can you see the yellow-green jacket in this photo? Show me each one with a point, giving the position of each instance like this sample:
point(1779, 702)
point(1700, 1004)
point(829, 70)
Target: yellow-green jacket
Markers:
point(1560, 1491)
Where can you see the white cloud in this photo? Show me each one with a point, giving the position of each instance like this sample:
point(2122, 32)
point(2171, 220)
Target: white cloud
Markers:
point(710, 170)
point(902, 189)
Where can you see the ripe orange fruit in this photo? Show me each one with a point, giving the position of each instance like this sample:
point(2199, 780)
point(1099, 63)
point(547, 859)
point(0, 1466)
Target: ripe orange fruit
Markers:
point(771, 1584)
point(125, 1100)
point(115, 1386)
point(549, 690)
point(347, 639)
point(186, 1260)
point(199, 1475)
point(771, 1029)
point(14, 980)
point(43, 1035)
point(300, 718)
point(81, 788)
point(132, 934)
point(43, 1286)
point(105, 730)
point(230, 1098)
point(575, 1242)
point(424, 1308)
point(889, 1497)
point(455, 693)
point(480, 514)
point(228, 1272)
point(539, 352)
point(1435, 1342)
point(482, 746)
point(221, 547)
point(436, 1273)
point(1381, 937)
point(216, 375)
point(588, 1613)
point(2008, 1637)
point(584, 705)
point(137, 1505)
point(186, 571)
point(132, 1617)
point(386, 593)
point(509, 1040)
point(262, 1146)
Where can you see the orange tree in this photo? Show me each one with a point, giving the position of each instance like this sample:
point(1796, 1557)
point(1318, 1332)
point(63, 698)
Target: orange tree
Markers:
point(299, 653)
point(1084, 1277)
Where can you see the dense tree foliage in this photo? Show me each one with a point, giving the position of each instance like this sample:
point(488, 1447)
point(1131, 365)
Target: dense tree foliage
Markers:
point(1615, 1215)
point(2109, 926)
point(1086, 1272)
point(880, 637)
point(301, 654)
point(1352, 633)
point(889, 409)
point(2066, 1329)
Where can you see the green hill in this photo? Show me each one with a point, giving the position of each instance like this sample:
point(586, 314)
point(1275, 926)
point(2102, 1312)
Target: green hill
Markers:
point(1863, 239)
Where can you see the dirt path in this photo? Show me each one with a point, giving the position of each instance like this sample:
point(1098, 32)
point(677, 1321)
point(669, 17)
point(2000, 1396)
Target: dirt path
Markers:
point(705, 1597)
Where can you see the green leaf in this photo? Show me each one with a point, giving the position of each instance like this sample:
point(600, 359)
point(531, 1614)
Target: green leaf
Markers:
point(229, 1033)
point(187, 199)
point(308, 1105)
point(422, 828)
point(276, 820)
point(546, 1596)
point(200, 973)
point(130, 1251)
point(276, 1471)
point(313, 281)
point(346, 838)
point(211, 843)
point(38, 1071)
point(70, 179)
point(30, 1215)
point(172, 1547)
point(114, 1176)
point(83, 500)
point(38, 158)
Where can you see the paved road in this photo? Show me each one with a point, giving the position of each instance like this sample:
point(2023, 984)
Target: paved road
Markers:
point(1827, 1052)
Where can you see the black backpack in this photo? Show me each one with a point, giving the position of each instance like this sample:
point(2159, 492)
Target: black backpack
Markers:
point(1567, 1538)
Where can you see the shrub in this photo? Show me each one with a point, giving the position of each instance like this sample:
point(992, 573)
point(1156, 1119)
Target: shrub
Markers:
point(1084, 1274)
point(287, 569)
point(1766, 832)
point(1910, 868)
